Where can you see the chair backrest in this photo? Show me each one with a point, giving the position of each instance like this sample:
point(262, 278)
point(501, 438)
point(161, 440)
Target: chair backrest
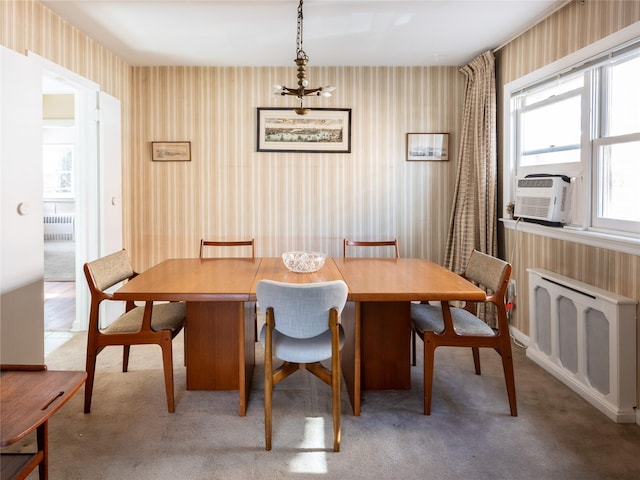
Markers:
point(379, 243)
point(232, 243)
point(107, 271)
point(301, 310)
point(490, 272)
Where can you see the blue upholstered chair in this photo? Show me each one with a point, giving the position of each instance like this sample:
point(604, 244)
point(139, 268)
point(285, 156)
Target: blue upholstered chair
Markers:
point(302, 329)
point(442, 326)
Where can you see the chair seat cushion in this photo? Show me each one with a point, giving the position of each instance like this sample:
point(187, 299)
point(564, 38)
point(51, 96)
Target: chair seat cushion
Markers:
point(165, 316)
point(428, 318)
point(301, 350)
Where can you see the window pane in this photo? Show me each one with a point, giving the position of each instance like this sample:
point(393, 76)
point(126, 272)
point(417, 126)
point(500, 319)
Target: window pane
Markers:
point(559, 87)
point(57, 166)
point(624, 95)
point(551, 133)
point(619, 180)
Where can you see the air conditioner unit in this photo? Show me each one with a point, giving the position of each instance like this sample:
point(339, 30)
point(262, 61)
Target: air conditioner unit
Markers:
point(544, 199)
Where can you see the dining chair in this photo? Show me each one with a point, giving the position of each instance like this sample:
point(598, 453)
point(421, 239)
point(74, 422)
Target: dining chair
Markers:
point(138, 325)
point(378, 243)
point(444, 326)
point(302, 329)
point(232, 243)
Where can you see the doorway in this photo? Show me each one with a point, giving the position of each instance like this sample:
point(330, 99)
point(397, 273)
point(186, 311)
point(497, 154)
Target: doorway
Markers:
point(60, 144)
point(92, 137)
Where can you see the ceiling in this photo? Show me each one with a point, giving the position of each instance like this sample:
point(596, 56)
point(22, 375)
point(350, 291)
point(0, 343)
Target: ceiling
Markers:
point(336, 32)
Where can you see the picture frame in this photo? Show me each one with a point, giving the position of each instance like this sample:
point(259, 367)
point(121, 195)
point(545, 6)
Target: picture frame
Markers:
point(322, 130)
point(427, 147)
point(171, 151)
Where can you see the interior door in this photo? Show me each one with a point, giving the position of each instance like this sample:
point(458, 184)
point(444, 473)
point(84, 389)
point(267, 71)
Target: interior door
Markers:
point(110, 168)
point(22, 238)
point(110, 160)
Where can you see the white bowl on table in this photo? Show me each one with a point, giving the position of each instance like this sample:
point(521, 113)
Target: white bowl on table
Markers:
point(303, 262)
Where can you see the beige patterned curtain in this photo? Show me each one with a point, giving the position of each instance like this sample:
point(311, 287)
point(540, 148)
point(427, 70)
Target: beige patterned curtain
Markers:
point(473, 222)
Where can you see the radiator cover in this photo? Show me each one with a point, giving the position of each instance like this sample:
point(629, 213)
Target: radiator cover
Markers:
point(59, 227)
point(585, 337)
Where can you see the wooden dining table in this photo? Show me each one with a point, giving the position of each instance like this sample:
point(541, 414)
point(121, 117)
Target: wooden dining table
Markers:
point(220, 297)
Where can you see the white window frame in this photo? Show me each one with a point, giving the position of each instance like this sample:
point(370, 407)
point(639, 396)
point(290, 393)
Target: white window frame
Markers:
point(577, 231)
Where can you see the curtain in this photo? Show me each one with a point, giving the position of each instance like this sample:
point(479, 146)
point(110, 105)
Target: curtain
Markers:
point(473, 222)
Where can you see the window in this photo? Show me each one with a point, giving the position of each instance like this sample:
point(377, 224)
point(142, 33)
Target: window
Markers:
point(585, 123)
point(57, 166)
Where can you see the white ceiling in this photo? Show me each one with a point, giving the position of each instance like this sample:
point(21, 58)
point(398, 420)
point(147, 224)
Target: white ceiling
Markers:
point(336, 32)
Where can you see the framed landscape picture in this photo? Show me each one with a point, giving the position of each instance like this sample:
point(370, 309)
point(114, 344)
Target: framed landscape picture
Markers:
point(171, 151)
point(427, 146)
point(325, 130)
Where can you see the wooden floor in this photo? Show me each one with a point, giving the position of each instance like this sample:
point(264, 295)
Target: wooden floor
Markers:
point(59, 305)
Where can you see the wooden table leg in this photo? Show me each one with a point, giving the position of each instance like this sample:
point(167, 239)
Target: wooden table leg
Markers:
point(219, 347)
point(386, 340)
point(42, 437)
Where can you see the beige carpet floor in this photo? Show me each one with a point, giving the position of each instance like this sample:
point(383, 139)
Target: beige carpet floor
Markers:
point(469, 435)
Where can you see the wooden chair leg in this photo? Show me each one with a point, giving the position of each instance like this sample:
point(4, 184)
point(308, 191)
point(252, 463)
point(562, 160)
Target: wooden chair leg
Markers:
point(268, 379)
point(507, 366)
point(413, 347)
point(476, 359)
point(335, 396)
point(88, 384)
point(268, 396)
point(429, 354)
point(167, 362)
point(125, 358)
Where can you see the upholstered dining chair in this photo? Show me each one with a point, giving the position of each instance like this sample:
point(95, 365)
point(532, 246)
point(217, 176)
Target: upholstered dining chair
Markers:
point(230, 243)
point(234, 243)
point(138, 325)
point(302, 329)
point(443, 326)
point(378, 243)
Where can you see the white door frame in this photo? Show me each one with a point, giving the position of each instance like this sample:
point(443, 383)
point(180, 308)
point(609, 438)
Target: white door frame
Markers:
point(87, 217)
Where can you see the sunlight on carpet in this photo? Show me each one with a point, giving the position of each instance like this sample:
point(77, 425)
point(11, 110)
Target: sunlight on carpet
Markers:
point(315, 460)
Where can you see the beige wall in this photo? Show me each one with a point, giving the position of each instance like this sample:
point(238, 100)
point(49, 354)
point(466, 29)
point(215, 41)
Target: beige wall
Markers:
point(572, 28)
point(300, 201)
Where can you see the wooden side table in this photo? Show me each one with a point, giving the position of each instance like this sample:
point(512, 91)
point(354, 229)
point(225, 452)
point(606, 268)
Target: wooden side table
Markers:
point(28, 398)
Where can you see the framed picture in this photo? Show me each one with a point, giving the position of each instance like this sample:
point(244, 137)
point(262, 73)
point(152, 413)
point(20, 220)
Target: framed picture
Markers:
point(427, 146)
point(171, 151)
point(325, 130)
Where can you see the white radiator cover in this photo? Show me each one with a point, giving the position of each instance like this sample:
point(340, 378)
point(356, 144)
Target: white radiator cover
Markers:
point(586, 337)
point(59, 227)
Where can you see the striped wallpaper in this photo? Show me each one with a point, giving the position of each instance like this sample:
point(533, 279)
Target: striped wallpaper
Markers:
point(301, 201)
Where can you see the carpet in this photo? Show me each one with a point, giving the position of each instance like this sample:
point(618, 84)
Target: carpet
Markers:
point(469, 434)
point(59, 261)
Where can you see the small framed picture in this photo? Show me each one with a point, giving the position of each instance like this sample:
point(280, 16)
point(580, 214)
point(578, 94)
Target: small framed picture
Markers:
point(171, 151)
point(427, 147)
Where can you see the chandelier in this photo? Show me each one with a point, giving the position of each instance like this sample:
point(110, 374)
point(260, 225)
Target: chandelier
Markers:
point(301, 61)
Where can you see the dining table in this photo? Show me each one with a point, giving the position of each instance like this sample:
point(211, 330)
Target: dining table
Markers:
point(220, 294)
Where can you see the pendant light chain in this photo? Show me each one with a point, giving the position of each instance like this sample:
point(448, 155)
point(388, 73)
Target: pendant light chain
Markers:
point(300, 53)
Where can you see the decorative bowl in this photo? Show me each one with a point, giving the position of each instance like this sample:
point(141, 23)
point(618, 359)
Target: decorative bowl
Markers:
point(303, 262)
